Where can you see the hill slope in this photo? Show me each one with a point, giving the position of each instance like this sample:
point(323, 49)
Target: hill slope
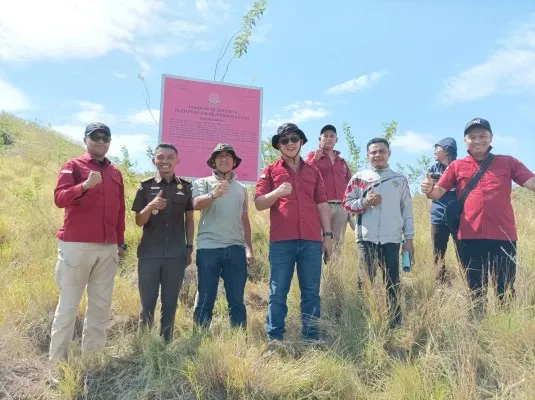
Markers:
point(438, 354)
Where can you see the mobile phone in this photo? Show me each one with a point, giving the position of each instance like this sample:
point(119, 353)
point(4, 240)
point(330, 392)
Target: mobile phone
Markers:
point(435, 175)
point(325, 257)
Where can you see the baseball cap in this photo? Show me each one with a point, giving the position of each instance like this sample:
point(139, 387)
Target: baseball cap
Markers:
point(97, 126)
point(475, 123)
point(328, 127)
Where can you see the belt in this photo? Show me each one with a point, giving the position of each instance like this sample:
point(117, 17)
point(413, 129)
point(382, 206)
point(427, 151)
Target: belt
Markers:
point(334, 201)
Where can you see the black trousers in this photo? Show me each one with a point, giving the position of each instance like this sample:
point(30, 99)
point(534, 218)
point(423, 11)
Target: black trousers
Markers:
point(386, 256)
point(440, 235)
point(484, 257)
point(153, 273)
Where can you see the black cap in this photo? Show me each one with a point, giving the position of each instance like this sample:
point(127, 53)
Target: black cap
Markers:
point(475, 123)
point(220, 148)
point(284, 129)
point(328, 128)
point(97, 126)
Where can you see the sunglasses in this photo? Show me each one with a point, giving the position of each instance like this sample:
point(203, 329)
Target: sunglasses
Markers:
point(287, 139)
point(98, 138)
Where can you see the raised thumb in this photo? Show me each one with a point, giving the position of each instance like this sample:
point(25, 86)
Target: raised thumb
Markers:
point(428, 176)
point(160, 193)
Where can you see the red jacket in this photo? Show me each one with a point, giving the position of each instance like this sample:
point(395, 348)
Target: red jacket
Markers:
point(98, 215)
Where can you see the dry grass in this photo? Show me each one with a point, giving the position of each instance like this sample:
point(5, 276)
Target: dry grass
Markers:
point(439, 353)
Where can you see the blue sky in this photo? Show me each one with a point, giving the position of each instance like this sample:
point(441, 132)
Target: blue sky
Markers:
point(431, 66)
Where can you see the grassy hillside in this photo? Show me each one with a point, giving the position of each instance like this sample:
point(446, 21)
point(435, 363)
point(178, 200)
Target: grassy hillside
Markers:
point(438, 354)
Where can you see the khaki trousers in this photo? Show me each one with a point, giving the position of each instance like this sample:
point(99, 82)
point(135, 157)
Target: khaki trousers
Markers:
point(82, 265)
point(339, 220)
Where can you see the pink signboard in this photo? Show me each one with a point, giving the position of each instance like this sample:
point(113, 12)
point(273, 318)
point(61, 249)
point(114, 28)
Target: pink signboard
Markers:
point(196, 115)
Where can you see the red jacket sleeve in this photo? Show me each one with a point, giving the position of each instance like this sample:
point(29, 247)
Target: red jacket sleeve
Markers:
point(67, 190)
point(310, 158)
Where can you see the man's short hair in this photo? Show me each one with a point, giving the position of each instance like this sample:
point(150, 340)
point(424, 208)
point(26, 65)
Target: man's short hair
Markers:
point(377, 141)
point(328, 128)
point(166, 146)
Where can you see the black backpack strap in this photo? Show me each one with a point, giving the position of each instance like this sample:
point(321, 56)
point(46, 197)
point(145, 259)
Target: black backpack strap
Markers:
point(473, 182)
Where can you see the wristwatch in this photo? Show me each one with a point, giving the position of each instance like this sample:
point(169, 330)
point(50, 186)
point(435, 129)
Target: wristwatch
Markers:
point(330, 234)
point(189, 246)
point(123, 246)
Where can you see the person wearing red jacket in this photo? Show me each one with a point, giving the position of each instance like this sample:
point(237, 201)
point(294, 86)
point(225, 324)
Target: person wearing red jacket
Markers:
point(90, 242)
point(336, 175)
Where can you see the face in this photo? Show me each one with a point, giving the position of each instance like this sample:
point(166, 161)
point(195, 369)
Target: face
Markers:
point(378, 155)
point(478, 140)
point(224, 162)
point(328, 139)
point(290, 144)
point(98, 144)
point(440, 154)
point(166, 160)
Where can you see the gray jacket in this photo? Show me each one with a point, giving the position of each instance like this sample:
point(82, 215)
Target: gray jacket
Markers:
point(393, 219)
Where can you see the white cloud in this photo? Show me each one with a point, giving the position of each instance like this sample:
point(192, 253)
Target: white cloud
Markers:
point(510, 67)
point(144, 117)
point(12, 99)
point(120, 75)
point(91, 112)
point(63, 29)
point(357, 84)
point(298, 112)
point(413, 142)
point(135, 143)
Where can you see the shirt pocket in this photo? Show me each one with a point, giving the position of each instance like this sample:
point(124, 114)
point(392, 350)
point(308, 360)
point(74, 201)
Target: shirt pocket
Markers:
point(500, 180)
point(280, 178)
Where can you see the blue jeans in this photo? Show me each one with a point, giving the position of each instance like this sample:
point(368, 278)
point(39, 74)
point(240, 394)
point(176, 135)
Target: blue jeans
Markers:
point(283, 256)
point(230, 264)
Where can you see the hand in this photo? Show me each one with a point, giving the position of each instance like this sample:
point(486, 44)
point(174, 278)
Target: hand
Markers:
point(121, 252)
point(427, 184)
point(409, 246)
point(158, 203)
point(373, 199)
point(318, 154)
point(327, 246)
point(284, 190)
point(93, 179)
point(220, 189)
point(249, 256)
point(189, 258)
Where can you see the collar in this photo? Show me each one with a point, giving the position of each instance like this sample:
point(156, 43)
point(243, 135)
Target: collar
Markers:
point(380, 169)
point(475, 159)
point(336, 154)
point(282, 163)
point(88, 157)
point(233, 175)
point(158, 178)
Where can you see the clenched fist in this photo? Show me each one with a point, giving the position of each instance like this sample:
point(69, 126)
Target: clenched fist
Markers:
point(373, 199)
point(220, 189)
point(158, 203)
point(93, 180)
point(284, 190)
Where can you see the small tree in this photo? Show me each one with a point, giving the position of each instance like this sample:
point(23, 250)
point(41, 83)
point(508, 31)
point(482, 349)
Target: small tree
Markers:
point(269, 154)
point(356, 161)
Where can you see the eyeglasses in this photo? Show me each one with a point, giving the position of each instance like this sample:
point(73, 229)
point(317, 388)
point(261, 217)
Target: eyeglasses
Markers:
point(98, 138)
point(287, 139)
